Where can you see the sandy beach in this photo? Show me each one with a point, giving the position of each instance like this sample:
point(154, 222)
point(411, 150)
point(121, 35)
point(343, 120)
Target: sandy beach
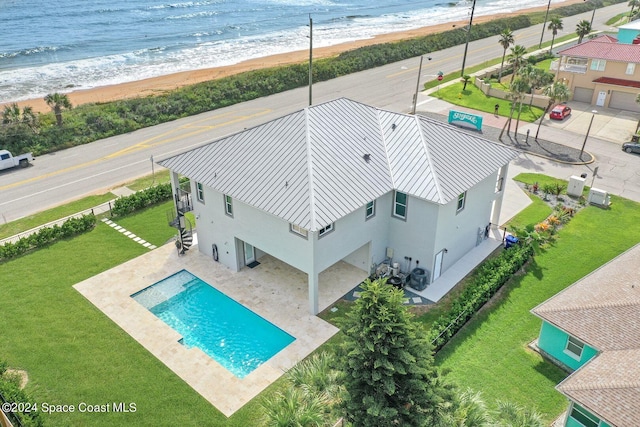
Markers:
point(157, 85)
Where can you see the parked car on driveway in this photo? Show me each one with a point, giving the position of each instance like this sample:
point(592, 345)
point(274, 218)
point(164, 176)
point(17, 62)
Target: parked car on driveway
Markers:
point(631, 147)
point(559, 112)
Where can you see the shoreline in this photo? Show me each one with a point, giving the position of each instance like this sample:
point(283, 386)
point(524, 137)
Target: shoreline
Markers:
point(161, 84)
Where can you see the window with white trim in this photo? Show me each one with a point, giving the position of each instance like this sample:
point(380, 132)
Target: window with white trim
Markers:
point(583, 416)
point(400, 205)
point(461, 201)
point(228, 205)
point(499, 183)
point(598, 64)
point(631, 68)
point(200, 192)
point(371, 210)
point(574, 347)
point(325, 230)
point(299, 230)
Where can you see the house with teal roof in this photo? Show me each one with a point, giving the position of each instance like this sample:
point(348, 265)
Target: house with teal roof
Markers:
point(592, 330)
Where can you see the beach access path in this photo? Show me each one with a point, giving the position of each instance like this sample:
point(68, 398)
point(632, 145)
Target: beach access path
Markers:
point(67, 175)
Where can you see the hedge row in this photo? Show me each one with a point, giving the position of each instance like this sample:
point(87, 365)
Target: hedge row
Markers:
point(11, 392)
point(46, 235)
point(141, 199)
point(88, 123)
point(489, 279)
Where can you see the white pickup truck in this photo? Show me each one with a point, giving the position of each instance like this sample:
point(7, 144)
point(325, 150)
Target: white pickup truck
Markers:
point(8, 161)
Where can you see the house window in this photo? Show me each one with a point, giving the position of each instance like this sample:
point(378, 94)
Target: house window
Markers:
point(631, 68)
point(299, 230)
point(499, 183)
point(326, 230)
point(200, 192)
point(598, 64)
point(581, 415)
point(400, 205)
point(461, 200)
point(228, 205)
point(371, 210)
point(575, 347)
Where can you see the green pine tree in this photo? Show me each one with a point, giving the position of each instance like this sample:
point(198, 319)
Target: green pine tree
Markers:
point(390, 378)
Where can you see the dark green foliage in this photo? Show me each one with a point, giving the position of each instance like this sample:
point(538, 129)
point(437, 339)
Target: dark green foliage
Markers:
point(389, 375)
point(141, 199)
point(46, 235)
point(91, 122)
point(490, 277)
point(11, 392)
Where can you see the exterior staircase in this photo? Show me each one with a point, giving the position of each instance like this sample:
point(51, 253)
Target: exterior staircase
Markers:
point(177, 219)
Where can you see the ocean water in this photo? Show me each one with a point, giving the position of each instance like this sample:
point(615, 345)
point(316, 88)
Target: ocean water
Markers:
point(79, 44)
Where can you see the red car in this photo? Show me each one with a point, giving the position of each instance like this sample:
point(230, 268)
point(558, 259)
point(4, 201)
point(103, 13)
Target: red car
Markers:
point(559, 112)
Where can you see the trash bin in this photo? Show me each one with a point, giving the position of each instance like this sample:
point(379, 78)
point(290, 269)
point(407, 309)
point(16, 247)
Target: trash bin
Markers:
point(509, 241)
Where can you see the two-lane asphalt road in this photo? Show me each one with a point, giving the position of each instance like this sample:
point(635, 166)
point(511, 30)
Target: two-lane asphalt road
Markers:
point(73, 173)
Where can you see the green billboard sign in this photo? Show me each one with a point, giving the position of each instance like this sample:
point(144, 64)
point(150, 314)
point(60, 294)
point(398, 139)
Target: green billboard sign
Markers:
point(461, 116)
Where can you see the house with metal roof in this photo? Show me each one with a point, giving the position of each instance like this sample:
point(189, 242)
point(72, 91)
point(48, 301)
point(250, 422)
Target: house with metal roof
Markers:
point(344, 181)
point(592, 329)
point(602, 72)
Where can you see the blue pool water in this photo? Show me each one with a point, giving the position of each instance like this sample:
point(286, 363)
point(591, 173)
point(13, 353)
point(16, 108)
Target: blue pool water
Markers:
point(229, 333)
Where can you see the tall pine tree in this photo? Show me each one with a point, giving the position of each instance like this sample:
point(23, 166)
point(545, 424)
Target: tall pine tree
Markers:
point(390, 378)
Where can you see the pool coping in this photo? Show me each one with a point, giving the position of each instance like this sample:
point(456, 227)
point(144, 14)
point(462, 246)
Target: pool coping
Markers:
point(110, 292)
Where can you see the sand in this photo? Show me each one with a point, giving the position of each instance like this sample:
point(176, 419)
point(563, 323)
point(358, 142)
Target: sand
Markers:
point(158, 85)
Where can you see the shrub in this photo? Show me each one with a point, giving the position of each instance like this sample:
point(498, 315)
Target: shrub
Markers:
point(141, 199)
point(11, 392)
point(491, 276)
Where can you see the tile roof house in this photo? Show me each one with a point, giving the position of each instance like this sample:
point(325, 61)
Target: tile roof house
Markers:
point(601, 71)
point(593, 329)
point(344, 181)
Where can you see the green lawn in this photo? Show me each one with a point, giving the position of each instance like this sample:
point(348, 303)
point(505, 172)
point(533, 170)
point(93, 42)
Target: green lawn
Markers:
point(472, 97)
point(152, 224)
point(29, 222)
point(490, 354)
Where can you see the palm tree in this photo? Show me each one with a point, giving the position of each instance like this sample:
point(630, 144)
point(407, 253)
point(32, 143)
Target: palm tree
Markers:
point(638, 102)
point(13, 116)
point(582, 29)
point(634, 4)
point(557, 92)
point(535, 78)
point(555, 25)
point(511, 415)
point(467, 410)
point(58, 102)
point(293, 408)
point(516, 59)
point(465, 80)
point(519, 87)
point(506, 40)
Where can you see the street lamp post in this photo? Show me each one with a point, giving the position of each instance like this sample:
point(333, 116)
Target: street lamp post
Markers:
point(466, 46)
point(593, 114)
point(544, 24)
point(415, 96)
point(593, 15)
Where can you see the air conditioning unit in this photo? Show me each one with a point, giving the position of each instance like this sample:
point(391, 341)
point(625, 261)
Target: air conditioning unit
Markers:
point(599, 198)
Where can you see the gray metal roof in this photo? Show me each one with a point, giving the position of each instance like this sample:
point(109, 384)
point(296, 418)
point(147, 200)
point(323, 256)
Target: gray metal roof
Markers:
point(314, 166)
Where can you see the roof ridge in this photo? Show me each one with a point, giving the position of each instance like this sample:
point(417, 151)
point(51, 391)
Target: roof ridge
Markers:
point(384, 144)
point(436, 178)
point(625, 303)
point(608, 385)
point(312, 210)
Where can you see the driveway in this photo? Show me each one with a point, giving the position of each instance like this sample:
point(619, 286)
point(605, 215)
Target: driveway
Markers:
point(608, 123)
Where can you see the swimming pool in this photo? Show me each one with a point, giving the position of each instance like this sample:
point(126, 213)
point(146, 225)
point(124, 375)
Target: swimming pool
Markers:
point(225, 330)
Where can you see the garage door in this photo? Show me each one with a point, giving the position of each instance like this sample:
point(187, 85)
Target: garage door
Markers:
point(582, 94)
point(624, 101)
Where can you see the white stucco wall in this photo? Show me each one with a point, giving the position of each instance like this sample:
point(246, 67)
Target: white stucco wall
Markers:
point(264, 231)
point(458, 231)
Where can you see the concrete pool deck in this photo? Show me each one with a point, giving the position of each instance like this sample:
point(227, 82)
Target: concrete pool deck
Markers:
point(273, 289)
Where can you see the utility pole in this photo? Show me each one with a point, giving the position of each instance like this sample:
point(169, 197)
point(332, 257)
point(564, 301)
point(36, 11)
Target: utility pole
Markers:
point(544, 24)
point(310, 59)
point(466, 46)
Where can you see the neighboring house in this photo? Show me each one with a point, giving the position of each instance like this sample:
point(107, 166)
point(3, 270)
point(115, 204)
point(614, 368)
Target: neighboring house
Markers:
point(592, 328)
point(344, 181)
point(601, 72)
point(628, 33)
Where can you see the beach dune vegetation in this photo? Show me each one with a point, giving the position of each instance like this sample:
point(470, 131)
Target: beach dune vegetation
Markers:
point(91, 122)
